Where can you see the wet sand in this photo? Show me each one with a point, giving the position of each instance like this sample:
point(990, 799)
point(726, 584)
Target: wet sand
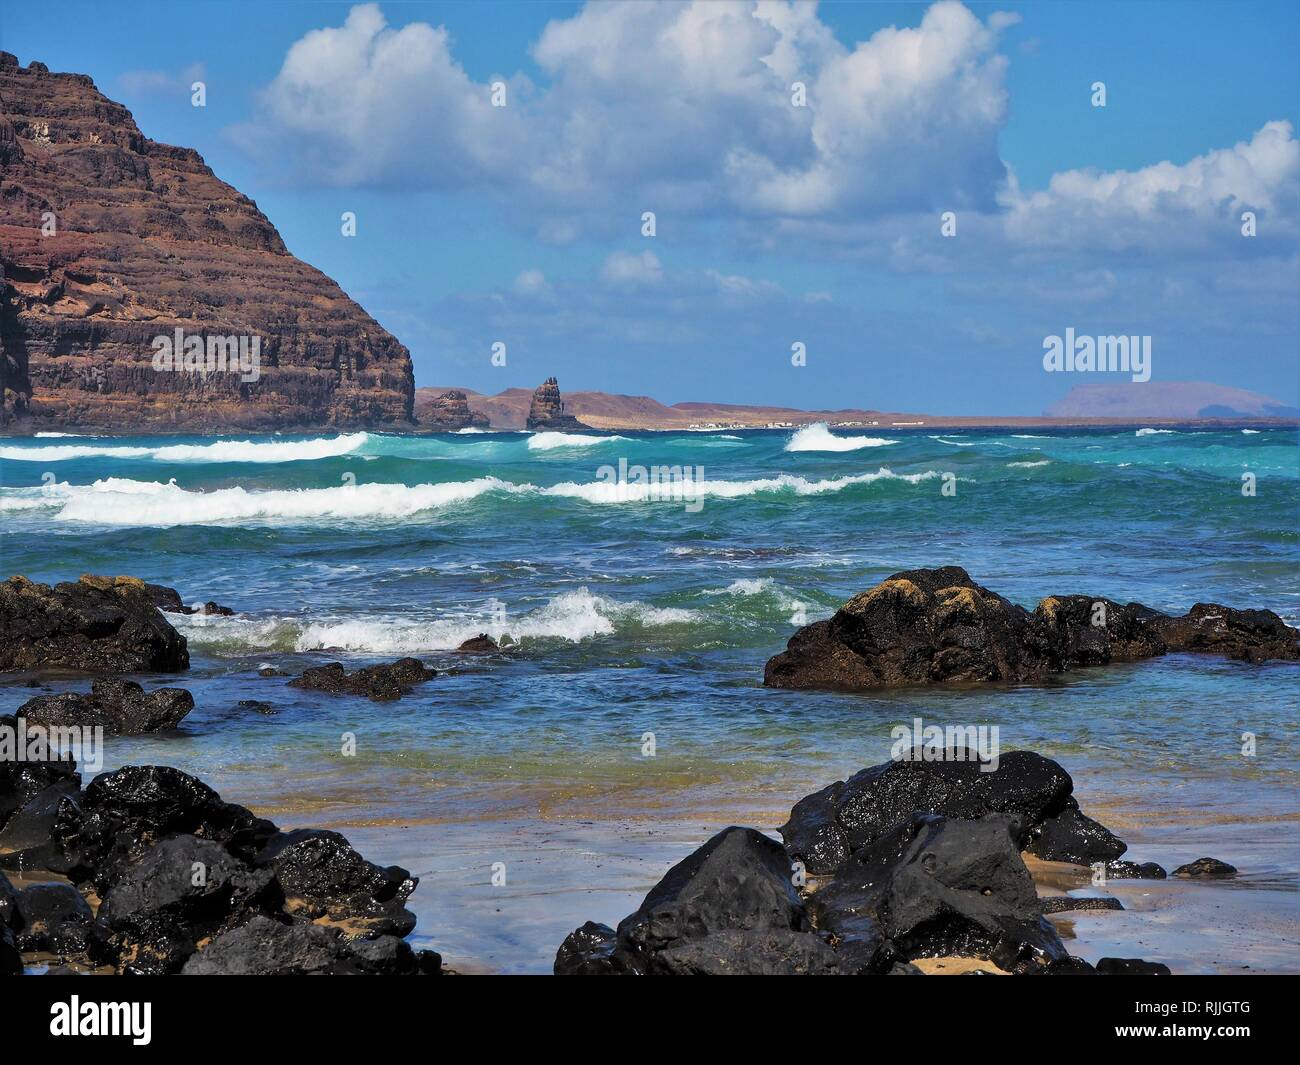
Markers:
point(561, 874)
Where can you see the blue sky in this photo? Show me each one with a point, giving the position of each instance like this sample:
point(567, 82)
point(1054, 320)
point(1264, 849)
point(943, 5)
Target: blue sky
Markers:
point(775, 224)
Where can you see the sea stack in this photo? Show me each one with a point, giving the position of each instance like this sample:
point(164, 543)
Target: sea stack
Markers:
point(450, 412)
point(133, 278)
point(547, 409)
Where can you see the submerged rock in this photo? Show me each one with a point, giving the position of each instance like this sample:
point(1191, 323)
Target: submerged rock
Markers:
point(1119, 870)
point(375, 682)
point(480, 644)
point(120, 707)
point(1131, 967)
point(1206, 868)
point(826, 826)
point(97, 625)
point(937, 626)
point(1066, 903)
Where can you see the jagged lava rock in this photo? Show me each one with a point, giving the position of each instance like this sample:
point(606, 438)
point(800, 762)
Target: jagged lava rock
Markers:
point(182, 891)
point(120, 707)
point(1248, 635)
point(546, 412)
point(53, 918)
point(375, 682)
point(149, 240)
point(937, 626)
point(98, 625)
point(946, 887)
point(728, 908)
point(825, 827)
point(122, 815)
point(264, 946)
point(323, 877)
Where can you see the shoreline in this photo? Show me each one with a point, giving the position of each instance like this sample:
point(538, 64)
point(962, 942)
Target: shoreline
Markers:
point(602, 425)
point(560, 874)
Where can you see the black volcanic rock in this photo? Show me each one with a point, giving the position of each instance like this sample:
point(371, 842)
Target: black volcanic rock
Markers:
point(121, 815)
point(546, 411)
point(1068, 903)
point(1068, 835)
point(937, 626)
point(1248, 635)
point(1131, 967)
point(929, 887)
point(1120, 870)
point(375, 682)
point(321, 876)
point(97, 625)
point(479, 645)
point(825, 827)
point(53, 918)
point(956, 888)
point(120, 707)
point(1206, 869)
point(192, 884)
point(264, 946)
point(182, 891)
point(728, 908)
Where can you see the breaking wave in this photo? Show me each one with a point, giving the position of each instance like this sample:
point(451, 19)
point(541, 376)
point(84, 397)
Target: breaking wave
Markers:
point(550, 441)
point(820, 438)
point(220, 451)
point(125, 502)
point(572, 616)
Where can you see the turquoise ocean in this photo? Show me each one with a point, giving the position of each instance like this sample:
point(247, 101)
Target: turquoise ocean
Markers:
point(630, 615)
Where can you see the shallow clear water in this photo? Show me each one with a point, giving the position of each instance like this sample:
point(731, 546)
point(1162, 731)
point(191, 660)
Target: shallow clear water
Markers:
point(631, 615)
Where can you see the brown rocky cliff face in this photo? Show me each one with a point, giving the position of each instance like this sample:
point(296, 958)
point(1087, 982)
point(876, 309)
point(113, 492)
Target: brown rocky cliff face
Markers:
point(149, 240)
point(547, 409)
point(448, 412)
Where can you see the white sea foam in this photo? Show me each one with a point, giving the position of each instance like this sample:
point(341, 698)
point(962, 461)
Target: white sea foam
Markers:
point(1251, 432)
point(574, 616)
point(820, 438)
point(550, 441)
point(125, 502)
point(1153, 432)
point(1026, 465)
point(220, 451)
point(1028, 436)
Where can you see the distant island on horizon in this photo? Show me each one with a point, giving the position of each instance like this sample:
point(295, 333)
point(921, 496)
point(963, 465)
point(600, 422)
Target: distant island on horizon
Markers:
point(1175, 402)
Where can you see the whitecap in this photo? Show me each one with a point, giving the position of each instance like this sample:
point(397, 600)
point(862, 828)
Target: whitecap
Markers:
point(549, 441)
point(819, 437)
point(219, 451)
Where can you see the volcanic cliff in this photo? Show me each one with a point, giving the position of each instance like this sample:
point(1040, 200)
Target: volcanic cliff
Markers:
point(109, 240)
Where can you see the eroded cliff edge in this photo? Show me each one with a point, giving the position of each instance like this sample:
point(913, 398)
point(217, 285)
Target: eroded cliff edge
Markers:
point(109, 239)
